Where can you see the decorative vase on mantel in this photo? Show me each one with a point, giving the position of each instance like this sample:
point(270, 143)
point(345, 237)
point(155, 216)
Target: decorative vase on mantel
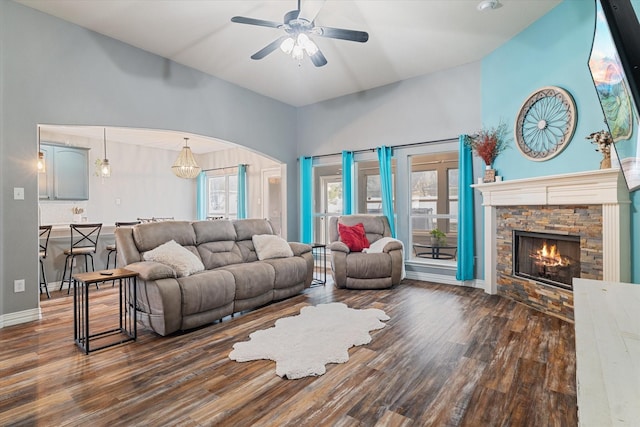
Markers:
point(489, 174)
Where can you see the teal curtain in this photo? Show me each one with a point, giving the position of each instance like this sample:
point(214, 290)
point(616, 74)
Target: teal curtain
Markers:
point(466, 232)
point(347, 182)
point(306, 199)
point(201, 196)
point(386, 185)
point(242, 191)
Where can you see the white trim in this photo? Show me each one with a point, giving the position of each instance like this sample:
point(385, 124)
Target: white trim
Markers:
point(20, 317)
point(443, 279)
point(604, 187)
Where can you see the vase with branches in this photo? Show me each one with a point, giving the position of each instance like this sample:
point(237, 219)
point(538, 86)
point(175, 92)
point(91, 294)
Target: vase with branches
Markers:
point(487, 144)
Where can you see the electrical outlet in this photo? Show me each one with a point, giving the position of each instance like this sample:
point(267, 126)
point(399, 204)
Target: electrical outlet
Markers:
point(18, 193)
point(18, 285)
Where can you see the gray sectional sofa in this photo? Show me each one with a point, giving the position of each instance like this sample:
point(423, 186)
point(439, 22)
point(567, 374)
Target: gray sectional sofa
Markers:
point(233, 279)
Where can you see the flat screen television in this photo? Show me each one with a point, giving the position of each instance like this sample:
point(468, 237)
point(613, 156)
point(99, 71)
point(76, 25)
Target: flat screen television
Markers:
point(614, 63)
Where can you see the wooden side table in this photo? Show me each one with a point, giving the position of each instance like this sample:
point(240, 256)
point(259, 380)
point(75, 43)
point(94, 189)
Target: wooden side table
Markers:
point(126, 330)
point(319, 251)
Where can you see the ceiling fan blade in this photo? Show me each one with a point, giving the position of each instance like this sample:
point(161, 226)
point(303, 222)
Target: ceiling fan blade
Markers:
point(269, 48)
point(252, 21)
point(318, 59)
point(342, 34)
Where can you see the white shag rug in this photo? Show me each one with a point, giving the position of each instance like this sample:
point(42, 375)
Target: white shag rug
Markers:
point(302, 345)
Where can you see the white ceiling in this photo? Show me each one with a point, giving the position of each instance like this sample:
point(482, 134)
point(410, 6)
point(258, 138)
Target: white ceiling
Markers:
point(407, 38)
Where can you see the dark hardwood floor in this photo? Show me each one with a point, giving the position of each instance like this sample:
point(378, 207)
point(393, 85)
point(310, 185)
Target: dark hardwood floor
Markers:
point(449, 356)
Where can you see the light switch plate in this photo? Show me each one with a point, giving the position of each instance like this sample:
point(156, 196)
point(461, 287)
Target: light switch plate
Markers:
point(18, 193)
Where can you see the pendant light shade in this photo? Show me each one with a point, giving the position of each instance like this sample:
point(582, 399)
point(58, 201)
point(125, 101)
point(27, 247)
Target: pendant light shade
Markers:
point(42, 165)
point(185, 165)
point(105, 167)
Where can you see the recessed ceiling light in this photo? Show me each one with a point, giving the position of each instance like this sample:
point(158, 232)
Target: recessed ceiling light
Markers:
point(488, 5)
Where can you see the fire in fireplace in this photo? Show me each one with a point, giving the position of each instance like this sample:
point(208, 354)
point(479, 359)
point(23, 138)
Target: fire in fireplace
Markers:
point(549, 258)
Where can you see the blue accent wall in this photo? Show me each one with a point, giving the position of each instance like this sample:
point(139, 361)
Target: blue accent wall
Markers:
point(553, 51)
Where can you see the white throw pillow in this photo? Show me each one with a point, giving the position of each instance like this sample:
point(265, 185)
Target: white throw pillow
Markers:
point(270, 246)
point(181, 259)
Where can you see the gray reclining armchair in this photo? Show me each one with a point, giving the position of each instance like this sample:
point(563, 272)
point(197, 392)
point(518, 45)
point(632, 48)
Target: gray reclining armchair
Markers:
point(358, 270)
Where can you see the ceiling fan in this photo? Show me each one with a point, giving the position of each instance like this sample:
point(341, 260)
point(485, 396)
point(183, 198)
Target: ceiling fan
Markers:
point(297, 41)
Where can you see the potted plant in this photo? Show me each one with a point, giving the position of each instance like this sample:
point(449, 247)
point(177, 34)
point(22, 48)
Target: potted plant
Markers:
point(438, 237)
point(604, 141)
point(488, 144)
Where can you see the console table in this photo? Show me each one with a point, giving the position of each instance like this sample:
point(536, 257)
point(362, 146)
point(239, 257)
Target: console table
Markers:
point(126, 330)
point(607, 323)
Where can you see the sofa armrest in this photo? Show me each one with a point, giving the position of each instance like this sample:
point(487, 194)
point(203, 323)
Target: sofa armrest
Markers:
point(339, 246)
point(299, 248)
point(151, 270)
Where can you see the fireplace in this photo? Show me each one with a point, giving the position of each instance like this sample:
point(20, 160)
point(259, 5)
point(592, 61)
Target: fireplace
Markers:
point(593, 205)
point(548, 258)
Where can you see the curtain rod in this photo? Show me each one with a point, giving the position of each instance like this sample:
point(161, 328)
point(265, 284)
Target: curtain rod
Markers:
point(224, 167)
point(413, 144)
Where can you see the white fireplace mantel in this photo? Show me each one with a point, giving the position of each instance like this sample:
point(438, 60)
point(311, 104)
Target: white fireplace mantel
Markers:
point(604, 187)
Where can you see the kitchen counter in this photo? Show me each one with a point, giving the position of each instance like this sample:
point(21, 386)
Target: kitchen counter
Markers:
point(63, 231)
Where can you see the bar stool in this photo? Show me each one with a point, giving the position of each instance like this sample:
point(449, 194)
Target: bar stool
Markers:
point(45, 232)
point(84, 242)
point(112, 246)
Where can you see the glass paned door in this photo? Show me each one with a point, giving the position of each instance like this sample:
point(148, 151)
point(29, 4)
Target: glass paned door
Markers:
point(434, 205)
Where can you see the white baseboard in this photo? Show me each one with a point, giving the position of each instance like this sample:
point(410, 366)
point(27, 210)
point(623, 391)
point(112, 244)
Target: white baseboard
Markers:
point(444, 279)
point(20, 317)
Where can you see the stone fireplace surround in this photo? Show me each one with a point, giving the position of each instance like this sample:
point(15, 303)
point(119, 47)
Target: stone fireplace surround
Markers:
point(593, 204)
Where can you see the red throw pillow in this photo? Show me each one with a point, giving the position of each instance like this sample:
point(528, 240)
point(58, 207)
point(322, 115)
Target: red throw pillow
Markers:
point(354, 237)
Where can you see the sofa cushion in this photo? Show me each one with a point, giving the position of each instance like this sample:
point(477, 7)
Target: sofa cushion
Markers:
point(353, 236)
point(151, 235)
point(219, 254)
point(247, 228)
point(269, 246)
point(214, 231)
point(182, 260)
point(289, 271)
point(206, 291)
point(252, 279)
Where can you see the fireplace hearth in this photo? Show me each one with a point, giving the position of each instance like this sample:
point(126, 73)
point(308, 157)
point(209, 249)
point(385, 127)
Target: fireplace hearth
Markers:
point(548, 258)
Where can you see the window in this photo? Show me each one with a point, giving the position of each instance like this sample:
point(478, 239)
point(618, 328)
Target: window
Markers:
point(369, 191)
point(223, 196)
point(434, 198)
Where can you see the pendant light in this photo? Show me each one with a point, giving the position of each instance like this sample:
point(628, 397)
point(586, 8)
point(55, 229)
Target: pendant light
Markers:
point(105, 167)
point(42, 165)
point(185, 165)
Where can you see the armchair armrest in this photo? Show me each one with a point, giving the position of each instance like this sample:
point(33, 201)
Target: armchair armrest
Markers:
point(392, 246)
point(151, 270)
point(339, 246)
point(299, 248)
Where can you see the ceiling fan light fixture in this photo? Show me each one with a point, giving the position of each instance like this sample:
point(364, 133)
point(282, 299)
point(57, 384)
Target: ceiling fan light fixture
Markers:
point(307, 44)
point(297, 53)
point(287, 45)
point(486, 5)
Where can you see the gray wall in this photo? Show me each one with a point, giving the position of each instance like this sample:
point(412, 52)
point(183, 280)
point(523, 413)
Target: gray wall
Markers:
point(434, 107)
point(54, 72)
